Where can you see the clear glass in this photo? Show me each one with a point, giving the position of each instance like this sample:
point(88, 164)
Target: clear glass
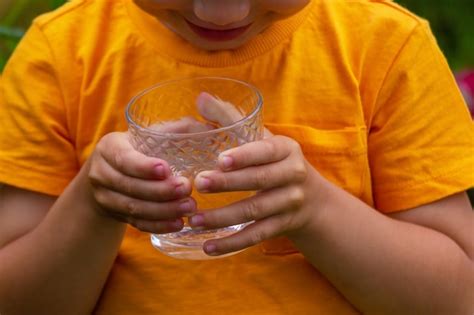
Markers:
point(156, 118)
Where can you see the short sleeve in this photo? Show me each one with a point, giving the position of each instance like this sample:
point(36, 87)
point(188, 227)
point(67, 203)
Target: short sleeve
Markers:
point(36, 151)
point(421, 138)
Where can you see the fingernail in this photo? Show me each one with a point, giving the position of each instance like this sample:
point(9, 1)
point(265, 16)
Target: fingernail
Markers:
point(196, 220)
point(201, 99)
point(180, 187)
point(186, 207)
point(203, 183)
point(210, 249)
point(160, 171)
point(226, 162)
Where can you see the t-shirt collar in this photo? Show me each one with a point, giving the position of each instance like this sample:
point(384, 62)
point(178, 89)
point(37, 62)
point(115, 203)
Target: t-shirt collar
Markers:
point(171, 44)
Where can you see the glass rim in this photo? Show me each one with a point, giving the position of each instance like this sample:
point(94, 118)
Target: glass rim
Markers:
point(251, 115)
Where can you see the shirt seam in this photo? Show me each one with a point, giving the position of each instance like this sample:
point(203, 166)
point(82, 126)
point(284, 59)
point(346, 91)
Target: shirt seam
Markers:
point(376, 107)
point(399, 9)
point(60, 86)
point(56, 15)
point(434, 178)
point(6, 163)
point(52, 182)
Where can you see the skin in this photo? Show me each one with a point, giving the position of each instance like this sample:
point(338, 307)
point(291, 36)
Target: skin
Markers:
point(419, 261)
point(220, 15)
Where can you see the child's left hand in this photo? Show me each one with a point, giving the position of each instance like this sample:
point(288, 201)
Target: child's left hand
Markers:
point(285, 183)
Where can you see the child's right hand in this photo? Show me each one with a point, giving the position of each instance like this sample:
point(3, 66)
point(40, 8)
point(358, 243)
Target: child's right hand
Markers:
point(140, 190)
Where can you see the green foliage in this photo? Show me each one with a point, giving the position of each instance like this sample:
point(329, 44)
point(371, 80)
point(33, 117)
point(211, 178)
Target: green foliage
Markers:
point(17, 19)
point(452, 23)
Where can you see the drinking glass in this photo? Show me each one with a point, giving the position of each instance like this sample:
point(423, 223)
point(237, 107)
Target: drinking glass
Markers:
point(169, 121)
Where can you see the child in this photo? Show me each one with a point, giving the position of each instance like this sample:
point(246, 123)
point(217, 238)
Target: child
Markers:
point(361, 207)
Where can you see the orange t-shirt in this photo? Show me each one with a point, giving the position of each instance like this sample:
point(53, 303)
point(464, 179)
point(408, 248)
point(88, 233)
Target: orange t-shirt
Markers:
point(360, 84)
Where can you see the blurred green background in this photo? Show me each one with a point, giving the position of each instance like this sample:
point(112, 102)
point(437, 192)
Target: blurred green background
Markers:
point(15, 17)
point(451, 20)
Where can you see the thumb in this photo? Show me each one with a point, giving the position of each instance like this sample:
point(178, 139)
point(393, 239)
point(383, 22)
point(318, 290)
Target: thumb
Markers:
point(220, 112)
point(217, 110)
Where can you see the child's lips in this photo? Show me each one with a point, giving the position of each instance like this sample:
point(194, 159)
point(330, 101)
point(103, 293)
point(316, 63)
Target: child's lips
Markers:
point(218, 35)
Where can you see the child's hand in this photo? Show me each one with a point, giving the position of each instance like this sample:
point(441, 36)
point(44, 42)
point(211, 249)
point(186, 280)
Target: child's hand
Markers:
point(137, 189)
point(277, 169)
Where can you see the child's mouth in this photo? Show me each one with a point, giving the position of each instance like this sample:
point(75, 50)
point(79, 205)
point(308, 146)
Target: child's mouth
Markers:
point(218, 35)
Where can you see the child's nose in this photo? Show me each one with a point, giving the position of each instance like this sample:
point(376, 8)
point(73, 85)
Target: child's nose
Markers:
point(221, 12)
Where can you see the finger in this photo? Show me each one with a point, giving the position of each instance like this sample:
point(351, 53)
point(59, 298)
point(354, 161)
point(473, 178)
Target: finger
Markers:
point(265, 151)
point(104, 175)
point(131, 209)
point(251, 235)
point(116, 150)
point(183, 125)
point(158, 227)
point(217, 110)
point(255, 208)
point(221, 112)
point(252, 178)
